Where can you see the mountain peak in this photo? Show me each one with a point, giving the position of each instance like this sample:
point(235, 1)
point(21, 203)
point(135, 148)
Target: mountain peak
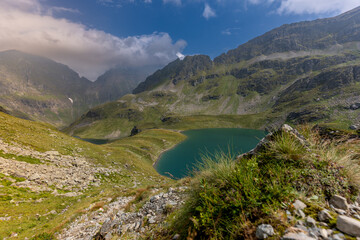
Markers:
point(176, 71)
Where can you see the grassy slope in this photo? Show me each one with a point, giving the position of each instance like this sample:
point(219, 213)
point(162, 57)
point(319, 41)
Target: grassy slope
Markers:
point(229, 199)
point(20, 204)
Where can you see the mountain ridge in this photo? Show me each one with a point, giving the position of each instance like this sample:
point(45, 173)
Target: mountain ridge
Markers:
point(242, 86)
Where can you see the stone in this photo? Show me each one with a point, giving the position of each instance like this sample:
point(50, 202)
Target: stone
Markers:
point(323, 233)
point(53, 212)
point(348, 225)
point(264, 231)
point(324, 215)
point(322, 224)
point(300, 213)
point(329, 231)
point(355, 106)
point(105, 228)
point(108, 236)
point(152, 220)
point(299, 205)
point(340, 211)
point(297, 236)
point(176, 237)
point(339, 202)
point(338, 236)
point(310, 222)
point(355, 127)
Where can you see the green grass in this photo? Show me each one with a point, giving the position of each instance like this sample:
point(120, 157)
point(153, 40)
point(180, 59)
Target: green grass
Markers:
point(133, 156)
point(228, 199)
point(27, 159)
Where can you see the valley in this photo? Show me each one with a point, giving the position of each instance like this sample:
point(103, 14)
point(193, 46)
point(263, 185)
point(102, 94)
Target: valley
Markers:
point(111, 159)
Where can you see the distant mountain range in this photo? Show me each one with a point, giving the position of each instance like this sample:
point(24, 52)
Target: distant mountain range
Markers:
point(38, 88)
point(302, 72)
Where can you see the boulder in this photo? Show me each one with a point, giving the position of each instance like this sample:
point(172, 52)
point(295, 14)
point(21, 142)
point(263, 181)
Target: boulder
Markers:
point(348, 225)
point(264, 231)
point(339, 202)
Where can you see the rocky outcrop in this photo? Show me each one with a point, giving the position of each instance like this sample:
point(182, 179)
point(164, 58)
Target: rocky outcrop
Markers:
point(87, 225)
point(113, 220)
point(151, 214)
point(265, 141)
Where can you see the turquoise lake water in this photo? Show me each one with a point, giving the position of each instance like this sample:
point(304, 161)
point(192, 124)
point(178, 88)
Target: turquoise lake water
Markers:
point(180, 160)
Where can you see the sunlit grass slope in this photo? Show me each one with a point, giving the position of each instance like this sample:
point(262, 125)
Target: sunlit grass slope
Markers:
point(27, 210)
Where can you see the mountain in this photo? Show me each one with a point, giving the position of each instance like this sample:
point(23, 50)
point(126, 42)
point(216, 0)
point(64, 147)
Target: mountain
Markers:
point(37, 88)
point(119, 81)
point(177, 71)
point(300, 72)
point(320, 34)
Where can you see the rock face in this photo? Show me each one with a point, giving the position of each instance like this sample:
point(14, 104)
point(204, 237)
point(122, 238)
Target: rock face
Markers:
point(348, 225)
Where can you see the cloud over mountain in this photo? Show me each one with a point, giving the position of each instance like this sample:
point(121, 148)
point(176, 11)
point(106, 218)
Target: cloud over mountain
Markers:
point(28, 26)
point(310, 6)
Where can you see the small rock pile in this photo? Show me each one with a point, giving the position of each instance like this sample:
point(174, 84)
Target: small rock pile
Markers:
point(153, 212)
point(307, 228)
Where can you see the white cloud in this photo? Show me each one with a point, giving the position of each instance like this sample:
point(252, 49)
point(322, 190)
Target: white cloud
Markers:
point(208, 12)
point(176, 2)
point(26, 25)
point(53, 10)
point(310, 6)
point(180, 55)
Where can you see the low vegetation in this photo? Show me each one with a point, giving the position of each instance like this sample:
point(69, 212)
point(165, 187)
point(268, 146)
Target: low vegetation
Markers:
point(228, 198)
point(26, 213)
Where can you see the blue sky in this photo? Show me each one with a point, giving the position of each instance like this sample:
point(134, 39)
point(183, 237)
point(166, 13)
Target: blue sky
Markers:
point(92, 36)
point(235, 22)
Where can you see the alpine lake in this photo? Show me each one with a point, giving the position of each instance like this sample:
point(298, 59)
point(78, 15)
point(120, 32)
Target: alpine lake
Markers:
point(181, 161)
